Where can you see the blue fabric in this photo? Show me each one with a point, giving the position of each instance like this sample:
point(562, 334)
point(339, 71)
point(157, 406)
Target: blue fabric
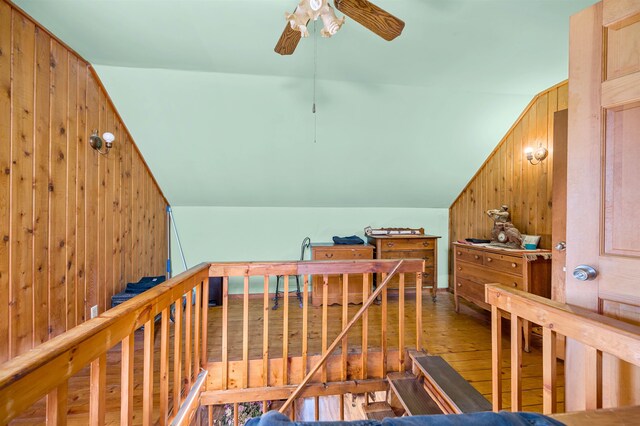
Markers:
point(503, 418)
point(353, 240)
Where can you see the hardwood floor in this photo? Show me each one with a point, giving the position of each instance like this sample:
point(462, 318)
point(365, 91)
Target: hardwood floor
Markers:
point(463, 340)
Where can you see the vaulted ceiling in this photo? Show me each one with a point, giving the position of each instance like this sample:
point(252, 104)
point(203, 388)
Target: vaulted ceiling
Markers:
point(222, 120)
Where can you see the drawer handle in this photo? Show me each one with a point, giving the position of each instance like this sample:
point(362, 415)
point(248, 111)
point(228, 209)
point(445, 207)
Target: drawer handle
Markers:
point(426, 243)
point(459, 254)
point(329, 255)
point(459, 268)
point(514, 265)
point(489, 259)
point(390, 244)
point(476, 256)
point(459, 285)
point(515, 284)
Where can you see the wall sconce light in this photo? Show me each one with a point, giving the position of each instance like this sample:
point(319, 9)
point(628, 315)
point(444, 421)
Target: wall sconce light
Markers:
point(96, 142)
point(535, 156)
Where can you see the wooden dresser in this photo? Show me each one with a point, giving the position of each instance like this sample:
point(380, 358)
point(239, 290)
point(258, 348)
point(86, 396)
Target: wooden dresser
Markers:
point(475, 266)
point(409, 247)
point(330, 251)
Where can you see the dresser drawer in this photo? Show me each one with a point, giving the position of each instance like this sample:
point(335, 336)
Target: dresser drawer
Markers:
point(471, 291)
point(341, 254)
point(426, 255)
point(407, 244)
point(499, 262)
point(484, 275)
point(428, 276)
point(468, 255)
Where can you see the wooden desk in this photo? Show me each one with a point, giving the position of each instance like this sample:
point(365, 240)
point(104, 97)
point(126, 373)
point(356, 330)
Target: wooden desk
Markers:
point(409, 247)
point(331, 251)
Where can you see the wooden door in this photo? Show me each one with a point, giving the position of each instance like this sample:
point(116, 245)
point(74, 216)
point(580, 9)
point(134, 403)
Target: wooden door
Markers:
point(603, 201)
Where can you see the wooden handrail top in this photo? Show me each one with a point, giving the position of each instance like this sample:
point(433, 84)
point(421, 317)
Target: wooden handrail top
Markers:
point(54, 361)
point(603, 333)
point(226, 269)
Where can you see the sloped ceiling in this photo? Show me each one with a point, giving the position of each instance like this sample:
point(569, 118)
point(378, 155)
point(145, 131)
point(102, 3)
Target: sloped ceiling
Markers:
point(224, 121)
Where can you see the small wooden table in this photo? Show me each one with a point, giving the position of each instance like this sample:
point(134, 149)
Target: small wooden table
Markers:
point(331, 251)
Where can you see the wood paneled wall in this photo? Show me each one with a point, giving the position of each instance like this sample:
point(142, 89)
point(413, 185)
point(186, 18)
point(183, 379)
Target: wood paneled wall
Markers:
point(506, 177)
point(75, 226)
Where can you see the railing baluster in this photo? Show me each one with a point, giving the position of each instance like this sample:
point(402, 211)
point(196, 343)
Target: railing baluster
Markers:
point(549, 391)
point(365, 326)
point(325, 319)
point(496, 358)
point(188, 343)
point(197, 330)
point(418, 311)
point(245, 333)
point(177, 355)
point(98, 385)
point(401, 322)
point(316, 406)
point(205, 324)
point(147, 385)
point(57, 405)
point(265, 335)
point(225, 336)
point(342, 407)
point(516, 363)
point(285, 333)
point(383, 330)
point(126, 380)
point(345, 320)
point(593, 378)
point(235, 414)
point(164, 367)
point(305, 324)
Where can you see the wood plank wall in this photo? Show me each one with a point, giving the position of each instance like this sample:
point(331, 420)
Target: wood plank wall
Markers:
point(75, 226)
point(506, 177)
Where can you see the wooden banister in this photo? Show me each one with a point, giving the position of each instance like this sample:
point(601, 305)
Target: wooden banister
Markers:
point(28, 377)
point(342, 334)
point(598, 333)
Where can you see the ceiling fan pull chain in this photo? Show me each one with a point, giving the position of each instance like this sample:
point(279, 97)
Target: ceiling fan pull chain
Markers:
point(315, 72)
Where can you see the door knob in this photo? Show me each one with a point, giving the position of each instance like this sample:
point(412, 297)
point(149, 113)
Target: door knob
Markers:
point(561, 246)
point(584, 273)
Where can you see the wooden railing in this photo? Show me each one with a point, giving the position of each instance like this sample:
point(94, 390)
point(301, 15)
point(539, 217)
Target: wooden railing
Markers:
point(358, 368)
point(365, 306)
point(597, 333)
point(46, 370)
point(187, 374)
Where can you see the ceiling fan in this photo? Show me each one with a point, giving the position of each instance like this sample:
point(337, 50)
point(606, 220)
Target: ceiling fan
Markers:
point(364, 12)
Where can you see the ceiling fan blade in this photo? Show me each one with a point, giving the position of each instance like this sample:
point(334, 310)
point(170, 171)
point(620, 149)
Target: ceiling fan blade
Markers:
point(372, 17)
point(288, 41)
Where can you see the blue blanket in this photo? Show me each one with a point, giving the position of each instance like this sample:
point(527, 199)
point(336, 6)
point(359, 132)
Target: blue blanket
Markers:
point(503, 418)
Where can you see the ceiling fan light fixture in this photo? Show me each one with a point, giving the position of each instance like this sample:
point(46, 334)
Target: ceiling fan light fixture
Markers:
point(312, 10)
